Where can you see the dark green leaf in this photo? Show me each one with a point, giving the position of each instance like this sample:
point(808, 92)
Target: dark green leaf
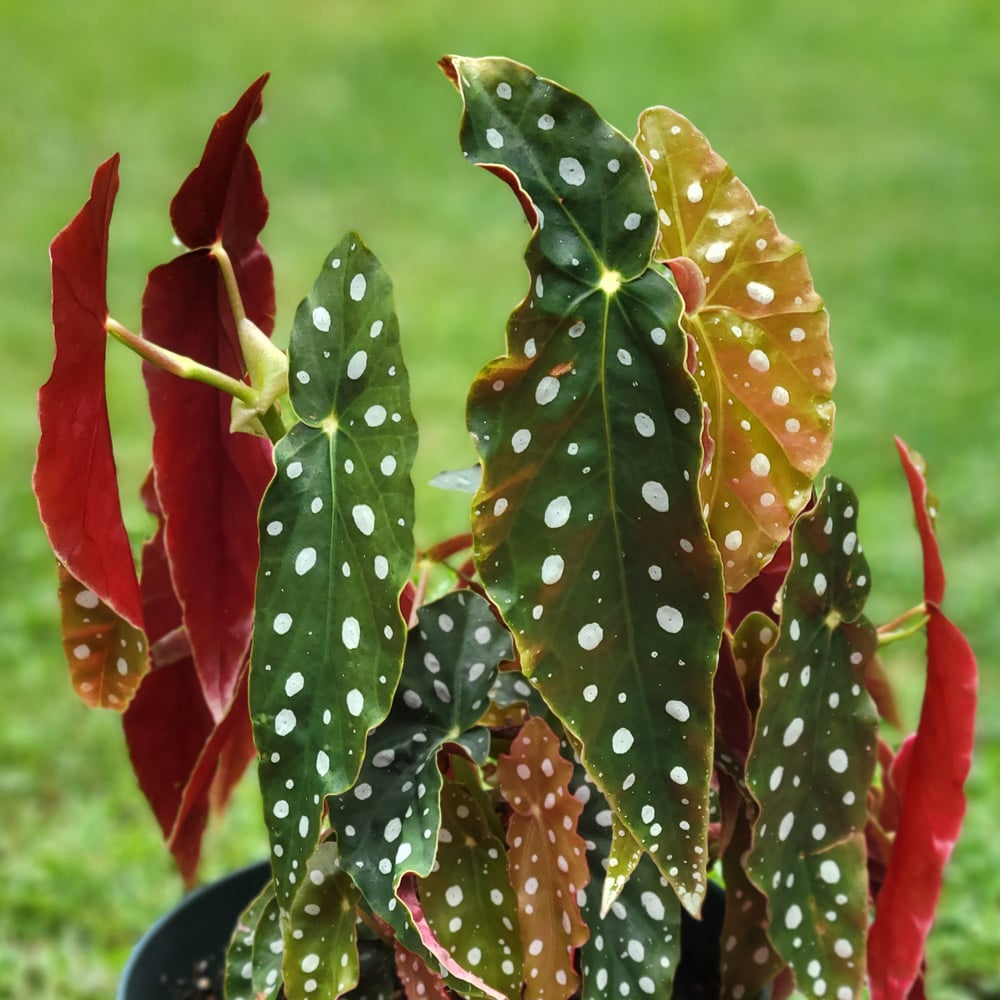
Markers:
point(239, 957)
point(321, 956)
point(589, 532)
point(388, 824)
point(812, 759)
point(634, 948)
point(336, 549)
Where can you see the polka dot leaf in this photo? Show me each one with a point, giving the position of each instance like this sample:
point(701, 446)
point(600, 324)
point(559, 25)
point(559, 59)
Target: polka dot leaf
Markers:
point(763, 359)
point(240, 977)
point(107, 655)
point(387, 825)
point(418, 980)
point(253, 961)
point(336, 550)
point(589, 532)
point(816, 729)
point(321, 958)
point(634, 947)
point(547, 859)
point(467, 898)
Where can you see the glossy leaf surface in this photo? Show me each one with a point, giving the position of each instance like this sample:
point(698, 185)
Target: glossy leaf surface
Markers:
point(929, 775)
point(336, 548)
point(589, 535)
point(388, 824)
point(75, 480)
point(467, 898)
point(547, 859)
point(321, 957)
point(817, 729)
point(633, 949)
point(210, 480)
point(239, 957)
point(764, 363)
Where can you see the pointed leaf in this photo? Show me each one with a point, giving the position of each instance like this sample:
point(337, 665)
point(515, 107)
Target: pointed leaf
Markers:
point(589, 534)
point(185, 761)
point(239, 957)
point(388, 824)
point(321, 958)
point(74, 479)
point(419, 982)
point(336, 549)
point(467, 898)
point(749, 961)
point(209, 480)
point(764, 363)
point(547, 858)
point(817, 729)
point(937, 762)
point(267, 951)
point(107, 656)
point(222, 199)
point(633, 949)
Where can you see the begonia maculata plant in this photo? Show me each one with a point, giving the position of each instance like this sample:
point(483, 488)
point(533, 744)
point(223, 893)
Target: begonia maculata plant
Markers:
point(649, 677)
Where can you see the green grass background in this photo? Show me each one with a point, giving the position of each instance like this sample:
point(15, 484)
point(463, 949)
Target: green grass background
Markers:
point(869, 128)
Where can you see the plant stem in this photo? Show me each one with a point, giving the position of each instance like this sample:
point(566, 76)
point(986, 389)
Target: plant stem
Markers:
point(179, 364)
point(218, 251)
point(903, 626)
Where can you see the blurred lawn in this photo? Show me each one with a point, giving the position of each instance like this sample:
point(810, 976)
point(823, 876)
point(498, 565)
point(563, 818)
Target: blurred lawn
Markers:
point(870, 129)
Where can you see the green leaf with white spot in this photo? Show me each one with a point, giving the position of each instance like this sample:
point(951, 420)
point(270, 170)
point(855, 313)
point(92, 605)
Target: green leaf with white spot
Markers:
point(388, 824)
point(764, 364)
point(588, 525)
point(634, 948)
point(321, 957)
point(239, 979)
point(336, 549)
point(267, 950)
point(468, 900)
point(817, 729)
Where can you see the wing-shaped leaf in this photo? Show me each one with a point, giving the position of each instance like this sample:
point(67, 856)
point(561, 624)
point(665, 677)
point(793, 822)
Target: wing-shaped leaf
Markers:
point(633, 949)
point(937, 762)
point(336, 548)
point(589, 534)
point(388, 824)
point(817, 729)
point(467, 898)
point(107, 655)
point(321, 958)
point(74, 479)
point(764, 363)
point(547, 859)
point(211, 480)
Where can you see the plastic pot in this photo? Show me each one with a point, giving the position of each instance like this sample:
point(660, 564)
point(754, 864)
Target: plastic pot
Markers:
point(188, 945)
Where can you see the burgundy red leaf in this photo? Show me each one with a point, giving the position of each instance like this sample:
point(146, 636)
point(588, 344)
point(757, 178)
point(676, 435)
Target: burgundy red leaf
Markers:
point(929, 781)
point(210, 481)
point(75, 479)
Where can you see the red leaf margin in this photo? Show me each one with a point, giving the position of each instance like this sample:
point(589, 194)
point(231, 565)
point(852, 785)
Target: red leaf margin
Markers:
point(937, 762)
point(75, 479)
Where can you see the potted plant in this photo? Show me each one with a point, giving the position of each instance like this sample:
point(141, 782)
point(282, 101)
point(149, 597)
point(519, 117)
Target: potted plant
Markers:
point(643, 680)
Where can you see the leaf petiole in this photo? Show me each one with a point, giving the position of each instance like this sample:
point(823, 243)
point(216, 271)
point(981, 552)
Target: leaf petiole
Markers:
point(903, 626)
